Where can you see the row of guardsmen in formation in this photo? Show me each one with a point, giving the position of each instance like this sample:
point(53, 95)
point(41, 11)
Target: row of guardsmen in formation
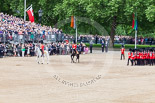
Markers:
point(142, 56)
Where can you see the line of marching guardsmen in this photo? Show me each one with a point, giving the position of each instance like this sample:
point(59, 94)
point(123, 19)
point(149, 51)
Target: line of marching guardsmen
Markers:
point(142, 56)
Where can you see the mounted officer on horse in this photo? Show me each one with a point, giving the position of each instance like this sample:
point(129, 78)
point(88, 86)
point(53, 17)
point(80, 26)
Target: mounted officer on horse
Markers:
point(74, 53)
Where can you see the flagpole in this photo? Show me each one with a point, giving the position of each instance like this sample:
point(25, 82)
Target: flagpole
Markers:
point(76, 34)
point(136, 31)
point(135, 39)
point(24, 10)
point(28, 8)
point(75, 25)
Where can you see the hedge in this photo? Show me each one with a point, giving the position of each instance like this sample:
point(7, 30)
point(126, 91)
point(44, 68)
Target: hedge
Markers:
point(119, 45)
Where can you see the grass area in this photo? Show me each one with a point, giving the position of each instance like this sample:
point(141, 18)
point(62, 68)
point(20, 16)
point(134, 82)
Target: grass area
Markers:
point(127, 46)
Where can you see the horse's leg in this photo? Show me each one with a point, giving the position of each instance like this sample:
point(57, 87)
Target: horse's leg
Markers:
point(43, 59)
point(38, 59)
point(72, 59)
point(48, 58)
point(76, 59)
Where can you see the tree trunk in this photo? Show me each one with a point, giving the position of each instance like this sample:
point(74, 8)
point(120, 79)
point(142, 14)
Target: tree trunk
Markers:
point(113, 28)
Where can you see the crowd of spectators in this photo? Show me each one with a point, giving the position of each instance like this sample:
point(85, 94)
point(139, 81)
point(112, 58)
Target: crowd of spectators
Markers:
point(131, 40)
point(97, 39)
point(16, 29)
point(60, 48)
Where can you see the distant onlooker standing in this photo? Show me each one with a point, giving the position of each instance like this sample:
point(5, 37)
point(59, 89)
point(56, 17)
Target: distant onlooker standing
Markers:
point(106, 46)
point(91, 46)
point(102, 46)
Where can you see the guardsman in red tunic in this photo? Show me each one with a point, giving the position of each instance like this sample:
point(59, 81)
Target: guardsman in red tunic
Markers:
point(138, 58)
point(148, 57)
point(135, 57)
point(151, 57)
point(141, 58)
point(129, 56)
point(122, 52)
point(42, 48)
point(74, 46)
point(154, 56)
point(132, 58)
point(144, 57)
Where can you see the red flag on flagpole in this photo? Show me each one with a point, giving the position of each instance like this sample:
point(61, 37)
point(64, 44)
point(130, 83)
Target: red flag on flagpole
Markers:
point(133, 21)
point(30, 14)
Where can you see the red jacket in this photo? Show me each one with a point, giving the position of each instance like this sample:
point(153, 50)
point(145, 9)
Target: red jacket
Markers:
point(42, 48)
point(138, 55)
point(132, 56)
point(129, 55)
point(144, 55)
point(122, 51)
point(141, 55)
point(147, 55)
point(74, 46)
point(151, 55)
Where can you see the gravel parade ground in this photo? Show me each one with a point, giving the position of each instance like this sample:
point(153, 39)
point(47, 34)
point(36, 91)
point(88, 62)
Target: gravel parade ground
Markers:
point(98, 78)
